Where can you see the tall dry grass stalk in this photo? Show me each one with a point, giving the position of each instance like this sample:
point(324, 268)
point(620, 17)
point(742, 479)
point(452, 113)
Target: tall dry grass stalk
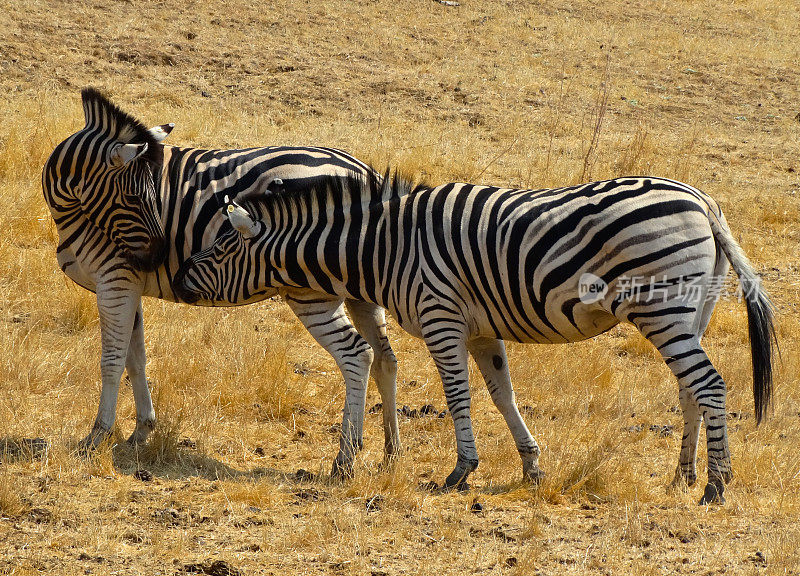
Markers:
point(598, 115)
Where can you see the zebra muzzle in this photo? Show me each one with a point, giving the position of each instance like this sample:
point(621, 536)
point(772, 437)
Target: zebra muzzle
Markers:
point(150, 258)
point(183, 287)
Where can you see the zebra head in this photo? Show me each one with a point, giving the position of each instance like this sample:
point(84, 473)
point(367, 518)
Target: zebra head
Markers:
point(106, 173)
point(232, 271)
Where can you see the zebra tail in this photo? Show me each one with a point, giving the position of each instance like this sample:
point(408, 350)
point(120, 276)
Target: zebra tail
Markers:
point(760, 317)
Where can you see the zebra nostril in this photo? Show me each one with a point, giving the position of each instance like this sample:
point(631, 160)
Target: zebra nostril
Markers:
point(183, 287)
point(150, 258)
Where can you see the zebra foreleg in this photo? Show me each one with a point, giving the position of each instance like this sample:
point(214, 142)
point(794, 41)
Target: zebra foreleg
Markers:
point(135, 366)
point(447, 345)
point(702, 387)
point(490, 355)
point(370, 321)
point(117, 308)
point(327, 322)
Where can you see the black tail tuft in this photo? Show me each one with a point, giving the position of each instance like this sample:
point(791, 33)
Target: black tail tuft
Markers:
point(763, 340)
point(763, 344)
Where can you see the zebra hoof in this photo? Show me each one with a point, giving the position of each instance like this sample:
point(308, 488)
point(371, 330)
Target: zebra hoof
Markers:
point(341, 471)
point(534, 475)
point(682, 481)
point(141, 433)
point(391, 450)
point(137, 438)
point(95, 438)
point(713, 494)
point(388, 464)
point(434, 488)
point(462, 486)
point(457, 479)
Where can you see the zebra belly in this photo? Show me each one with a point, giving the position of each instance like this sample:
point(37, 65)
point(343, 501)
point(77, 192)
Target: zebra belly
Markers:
point(410, 325)
point(583, 322)
point(71, 265)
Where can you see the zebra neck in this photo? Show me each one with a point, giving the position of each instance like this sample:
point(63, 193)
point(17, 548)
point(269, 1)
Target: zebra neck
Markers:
point(350, 250)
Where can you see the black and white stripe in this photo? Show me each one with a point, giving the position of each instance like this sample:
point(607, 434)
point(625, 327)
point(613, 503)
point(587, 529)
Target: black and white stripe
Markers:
point(466, 267)
point(130, 210)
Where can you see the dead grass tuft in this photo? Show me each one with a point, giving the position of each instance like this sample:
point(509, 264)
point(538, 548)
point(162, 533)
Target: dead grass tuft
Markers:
point(12, 504)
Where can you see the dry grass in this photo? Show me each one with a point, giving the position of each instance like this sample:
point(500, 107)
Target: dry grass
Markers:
point(516, 93)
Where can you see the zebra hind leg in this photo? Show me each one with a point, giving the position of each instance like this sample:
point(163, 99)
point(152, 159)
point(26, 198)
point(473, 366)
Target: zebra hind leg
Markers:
point(686, 472)
point(326, 321)
point(370, 321)
point(703, 395)
point(490, 355)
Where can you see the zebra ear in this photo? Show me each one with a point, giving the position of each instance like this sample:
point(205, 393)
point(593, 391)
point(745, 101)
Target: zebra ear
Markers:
point(275, 186)
point(124, 154)
point(159, 133)
point(242, 221)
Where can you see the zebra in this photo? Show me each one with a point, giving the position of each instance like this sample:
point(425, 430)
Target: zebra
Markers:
point(129, 210)
point(466, 267)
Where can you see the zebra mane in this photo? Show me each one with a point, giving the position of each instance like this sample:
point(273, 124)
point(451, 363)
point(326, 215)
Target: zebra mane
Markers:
point(393, 184)
point(103, 115)
point(345, 190)
point(403, 182)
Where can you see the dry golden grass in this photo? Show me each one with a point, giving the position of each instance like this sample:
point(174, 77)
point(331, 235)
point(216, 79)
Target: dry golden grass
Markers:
point(516, 93)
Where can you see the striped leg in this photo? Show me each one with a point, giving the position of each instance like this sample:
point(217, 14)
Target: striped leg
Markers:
point(327, 322)
point(117, 307)
point(370, 321)
point(490, 355)
point(686, 472)
point(135, 366)
point(446, 341)
point(703, 394)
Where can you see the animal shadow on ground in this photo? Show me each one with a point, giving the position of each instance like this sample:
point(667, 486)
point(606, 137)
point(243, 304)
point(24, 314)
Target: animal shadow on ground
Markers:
point(178, 460)
point(182, 461)
point(19, 449)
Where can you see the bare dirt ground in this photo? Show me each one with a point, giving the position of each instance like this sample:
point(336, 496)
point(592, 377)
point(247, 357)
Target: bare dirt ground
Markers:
point(511, 93)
